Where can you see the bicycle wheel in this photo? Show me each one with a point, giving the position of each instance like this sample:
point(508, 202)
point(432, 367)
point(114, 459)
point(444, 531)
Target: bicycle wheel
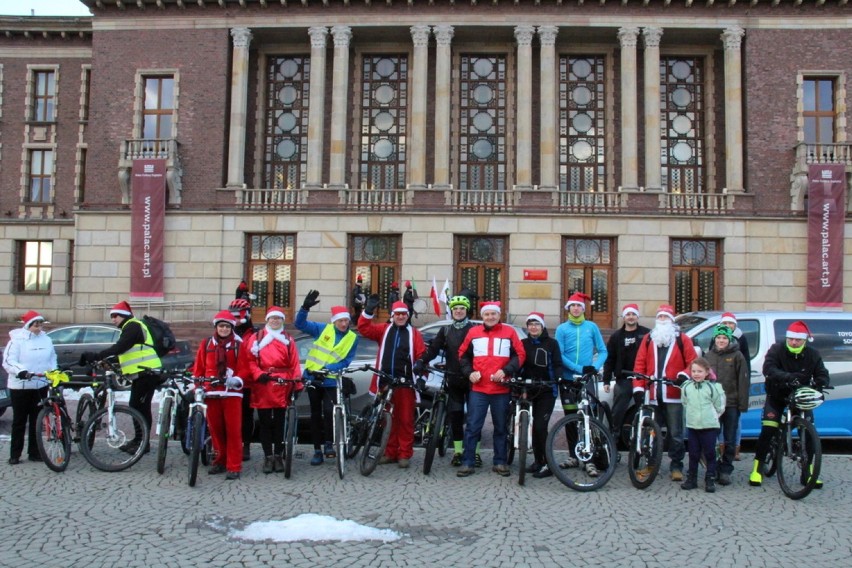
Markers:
point(196, 442)
point(377, 441)
point(358, 428)
point(53, 434)
point(510, 436)
point(771, 463)
point(85, 409)
point(595, 450)
point(208, 454)
point(645, 452)
point(163, 427)
point(523, 445)
point(435, 432)
point(339, 425)
point(289, 439)
point(114, 446)
point(799, 466)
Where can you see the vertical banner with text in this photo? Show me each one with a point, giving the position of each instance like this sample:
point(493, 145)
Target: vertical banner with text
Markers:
point(826, 220)
point(147, 227)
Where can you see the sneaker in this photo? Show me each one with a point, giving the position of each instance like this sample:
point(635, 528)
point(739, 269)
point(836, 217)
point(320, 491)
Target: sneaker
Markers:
point(317, 459)
point(690, 483)
point(464, 471)
point(724, 479)
point(216, 469)
point(644, 473)
point(278, 463)
point(591, 470)
point(14, 461)
point(534, 467)
point(268, 464)
point(456, 461)
point(543, 472)
point(477, 460)
point(403, 463)
point(502, 470)
point(329, 451)
point(677, 475)
point(384, 460)
point(232, 475)
point(246, 452)
point(709, 485)
point(569, 463)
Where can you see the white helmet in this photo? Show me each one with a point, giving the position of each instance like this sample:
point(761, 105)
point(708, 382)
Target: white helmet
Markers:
point(806, 398)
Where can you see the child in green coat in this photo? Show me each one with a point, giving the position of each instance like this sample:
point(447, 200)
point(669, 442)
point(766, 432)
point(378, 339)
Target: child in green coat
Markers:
point(703, 403)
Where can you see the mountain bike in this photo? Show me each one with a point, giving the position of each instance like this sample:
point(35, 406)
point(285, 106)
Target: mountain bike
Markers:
point(115, 437)
point(380, 419)
point(435, 432)
point(341, 418)
point(520, 433)
point(645, 448)
point(587, 461)
point(53, 425)
point(197, 436)
point(173, 404)
point(795, 449)
point(291, 422)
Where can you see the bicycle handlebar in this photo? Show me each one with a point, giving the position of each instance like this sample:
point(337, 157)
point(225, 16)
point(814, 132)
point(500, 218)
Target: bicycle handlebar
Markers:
point(393, 381)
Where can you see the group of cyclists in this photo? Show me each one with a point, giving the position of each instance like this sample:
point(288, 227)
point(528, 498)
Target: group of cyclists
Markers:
point(258, 367)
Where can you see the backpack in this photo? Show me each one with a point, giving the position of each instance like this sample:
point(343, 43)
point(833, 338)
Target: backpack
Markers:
point(161, 334)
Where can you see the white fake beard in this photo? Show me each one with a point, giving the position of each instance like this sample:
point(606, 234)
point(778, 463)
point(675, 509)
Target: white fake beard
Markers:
point(664, 333)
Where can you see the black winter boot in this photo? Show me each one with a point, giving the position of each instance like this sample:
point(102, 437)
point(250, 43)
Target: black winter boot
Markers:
point(709, 484)
point(690, 482)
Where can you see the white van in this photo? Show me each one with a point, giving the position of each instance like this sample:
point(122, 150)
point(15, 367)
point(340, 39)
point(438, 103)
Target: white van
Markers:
point(832, 332)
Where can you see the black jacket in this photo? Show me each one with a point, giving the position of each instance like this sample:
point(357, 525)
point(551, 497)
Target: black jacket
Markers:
point(781, 366)
point(449, 339)
point(544, 358)
point(621, 350)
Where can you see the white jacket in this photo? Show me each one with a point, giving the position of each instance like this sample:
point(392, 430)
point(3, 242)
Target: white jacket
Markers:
point(27, 351)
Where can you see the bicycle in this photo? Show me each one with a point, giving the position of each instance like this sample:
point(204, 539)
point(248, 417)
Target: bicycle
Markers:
point(520, 423)
point(115, 436)
point(795, 449)
point(434, 432)
point(173, 404)
point(645, 448)
point(380, 419)
point(587, 461)
point(54, 431)
point(197, 437)
point(290, 422)
point(341, 419)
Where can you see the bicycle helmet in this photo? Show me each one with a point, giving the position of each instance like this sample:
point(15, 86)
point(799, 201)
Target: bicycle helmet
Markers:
point(806, 398)
point(457, 301)
point(239, 304)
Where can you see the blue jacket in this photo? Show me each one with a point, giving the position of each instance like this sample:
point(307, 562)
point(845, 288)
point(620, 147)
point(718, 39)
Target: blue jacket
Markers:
point(315, 329)
point(581, 345)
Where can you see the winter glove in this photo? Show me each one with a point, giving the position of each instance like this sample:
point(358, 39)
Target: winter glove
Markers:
point(419, 368)
point(88, 357)
point(793, 380)
point(820, 382)
point(680, 379)
point(24, 375)
point(235, 383)
point(639, 398)
point(371, 305)
point(589, 370)
point(263, 379)
point(420, 385)
point(311, 300)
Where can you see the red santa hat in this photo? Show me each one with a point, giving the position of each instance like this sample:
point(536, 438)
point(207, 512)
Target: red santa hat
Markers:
point(729, 317)
point(799, 330)
point(630, 309)
point(394, 284)
point(578, 298)
point(399, 307)
point(339, 312)
point(490, 306)
point(408, 283)
point(536, 316)
point(275, 311)
point(31, 317)
point(666, 310)
point(359, 279)
point(224, 317)
point(122, 308)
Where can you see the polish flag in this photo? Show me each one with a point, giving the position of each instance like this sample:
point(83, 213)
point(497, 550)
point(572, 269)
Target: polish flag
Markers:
point(436, 305)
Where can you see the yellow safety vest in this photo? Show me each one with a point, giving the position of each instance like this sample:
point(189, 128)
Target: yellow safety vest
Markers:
point(324, 352)
point(141, 356)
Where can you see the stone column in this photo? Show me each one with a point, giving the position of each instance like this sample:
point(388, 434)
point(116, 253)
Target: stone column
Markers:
point(523, 107)
point(732, 38)
point(239, 104)
point(316, 108)
point(549, 111)
point(443, 75)
point(653, 168)
point(629, 110)
point(417, 136)
point(339, 101)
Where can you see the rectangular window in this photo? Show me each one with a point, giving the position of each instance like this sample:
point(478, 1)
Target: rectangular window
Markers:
point(44, 96)
point(682, 124)
point(582, 115)
point(696, 273)
point(81, 187)
point(41, 176)
point(157, 115)
point(35, 260)
point(818, 110)
point(384, 116)
point(287, 97)
point(483, 108)
point(85, 98)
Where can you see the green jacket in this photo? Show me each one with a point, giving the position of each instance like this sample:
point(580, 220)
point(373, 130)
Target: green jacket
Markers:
point(703, 404)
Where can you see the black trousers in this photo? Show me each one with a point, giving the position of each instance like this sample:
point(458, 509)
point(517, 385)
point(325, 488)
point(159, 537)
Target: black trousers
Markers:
point(322, 404)
point(542, 408)
point(248, 417)
point(25, 408)
point(271, 425)
point(142, 390)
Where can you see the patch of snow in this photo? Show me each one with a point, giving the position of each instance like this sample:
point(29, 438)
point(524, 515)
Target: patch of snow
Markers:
point(312, 527)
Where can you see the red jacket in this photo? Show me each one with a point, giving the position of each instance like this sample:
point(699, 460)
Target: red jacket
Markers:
point(378, 333)
point(488, 351)
point(278, 358)
point(679, 358)
point(205, 365)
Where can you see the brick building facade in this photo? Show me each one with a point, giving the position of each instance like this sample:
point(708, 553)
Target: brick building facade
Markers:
point(641, 152)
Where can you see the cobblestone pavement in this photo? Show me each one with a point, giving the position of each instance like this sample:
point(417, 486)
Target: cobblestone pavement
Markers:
point(85, 517)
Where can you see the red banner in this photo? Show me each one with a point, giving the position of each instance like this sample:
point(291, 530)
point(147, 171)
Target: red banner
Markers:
point(147, 228)
point(826, 219)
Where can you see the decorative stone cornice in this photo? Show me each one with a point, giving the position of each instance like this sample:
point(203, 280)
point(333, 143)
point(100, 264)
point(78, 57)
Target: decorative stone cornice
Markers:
point(732, 37)
point(547, 35)
point(341, 35)
point(524, 34)
point(443, 34)
point(420, 34)
point(627, 36)
point(318, 36)
point(651, 36)
point(242, 37)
